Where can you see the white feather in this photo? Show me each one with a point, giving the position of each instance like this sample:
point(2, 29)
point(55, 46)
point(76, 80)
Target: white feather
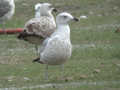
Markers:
point(58, 48)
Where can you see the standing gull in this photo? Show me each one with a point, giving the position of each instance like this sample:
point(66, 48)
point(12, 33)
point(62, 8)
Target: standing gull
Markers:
point(57, 48)
point(40, 27)
point(7, 9)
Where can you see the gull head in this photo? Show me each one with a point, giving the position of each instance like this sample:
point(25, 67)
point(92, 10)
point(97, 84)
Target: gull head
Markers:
point(45, 9)
point(65, 18)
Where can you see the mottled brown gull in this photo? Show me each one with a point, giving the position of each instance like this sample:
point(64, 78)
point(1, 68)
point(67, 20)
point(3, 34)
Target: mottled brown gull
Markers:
point(40, 27)
point(57, 48)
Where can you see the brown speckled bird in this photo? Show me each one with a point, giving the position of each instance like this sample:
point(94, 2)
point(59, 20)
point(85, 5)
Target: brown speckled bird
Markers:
point(39, 28)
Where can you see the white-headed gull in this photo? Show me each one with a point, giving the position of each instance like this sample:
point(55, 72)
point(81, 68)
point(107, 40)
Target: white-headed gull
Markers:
point(57, 48)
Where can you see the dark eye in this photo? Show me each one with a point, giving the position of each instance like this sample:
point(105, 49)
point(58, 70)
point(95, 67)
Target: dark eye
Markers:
point(65, 16)
point(38, 7)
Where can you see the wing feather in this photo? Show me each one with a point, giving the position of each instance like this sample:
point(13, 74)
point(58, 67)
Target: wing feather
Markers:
point(43, 26)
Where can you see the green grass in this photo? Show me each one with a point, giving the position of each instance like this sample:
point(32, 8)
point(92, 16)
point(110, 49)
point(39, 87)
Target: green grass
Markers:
point(95, 58)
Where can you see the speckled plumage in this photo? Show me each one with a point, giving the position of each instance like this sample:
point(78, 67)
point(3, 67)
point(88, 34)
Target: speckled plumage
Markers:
point(43, 26)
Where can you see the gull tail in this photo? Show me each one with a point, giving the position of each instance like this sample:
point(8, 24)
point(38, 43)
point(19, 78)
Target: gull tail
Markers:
point(22, 35)
point(37, 60)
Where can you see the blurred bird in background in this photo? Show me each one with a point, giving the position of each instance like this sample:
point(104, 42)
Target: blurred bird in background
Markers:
point(7, 9)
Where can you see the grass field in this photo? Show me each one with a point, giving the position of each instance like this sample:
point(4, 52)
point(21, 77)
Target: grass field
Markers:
point(95, 61)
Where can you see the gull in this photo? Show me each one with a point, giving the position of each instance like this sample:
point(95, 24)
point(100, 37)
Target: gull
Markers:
point(57, 48)
point(7, 9)
point(40, 27)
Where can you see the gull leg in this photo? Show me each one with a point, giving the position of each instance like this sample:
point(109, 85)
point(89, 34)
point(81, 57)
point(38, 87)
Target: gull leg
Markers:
point(37, 50)
point(46, 72)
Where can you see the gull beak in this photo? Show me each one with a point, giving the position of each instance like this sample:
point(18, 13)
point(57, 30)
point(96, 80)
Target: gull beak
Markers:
point(75, 19)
